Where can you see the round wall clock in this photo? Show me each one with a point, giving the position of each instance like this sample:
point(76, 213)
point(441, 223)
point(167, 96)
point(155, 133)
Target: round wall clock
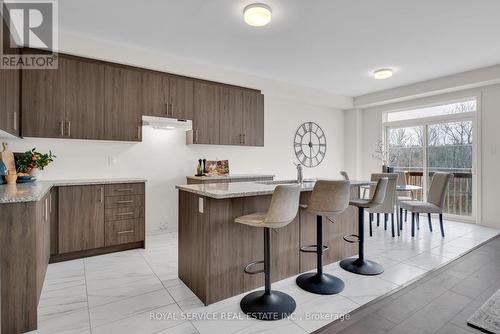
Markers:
point(310, 144)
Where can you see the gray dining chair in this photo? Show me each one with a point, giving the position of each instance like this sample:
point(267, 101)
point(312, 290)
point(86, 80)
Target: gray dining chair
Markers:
point(403, 196)
point(389, 204)
point(434, 204)
point(269, 304)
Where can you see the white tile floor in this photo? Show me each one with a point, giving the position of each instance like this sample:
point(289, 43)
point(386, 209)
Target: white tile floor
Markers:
point(117, 293)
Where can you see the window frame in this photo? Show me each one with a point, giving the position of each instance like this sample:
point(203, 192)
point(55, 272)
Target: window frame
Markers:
point(425, 122)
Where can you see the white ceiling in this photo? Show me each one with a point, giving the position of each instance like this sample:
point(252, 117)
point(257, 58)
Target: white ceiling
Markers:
point(332, 45)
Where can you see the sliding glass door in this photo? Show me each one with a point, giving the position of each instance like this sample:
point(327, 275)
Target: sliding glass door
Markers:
point(424, 141)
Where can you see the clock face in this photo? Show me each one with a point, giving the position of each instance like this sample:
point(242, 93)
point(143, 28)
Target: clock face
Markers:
point(310, 144)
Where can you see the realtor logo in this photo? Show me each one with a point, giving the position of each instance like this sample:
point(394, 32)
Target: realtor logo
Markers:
point(29, 34)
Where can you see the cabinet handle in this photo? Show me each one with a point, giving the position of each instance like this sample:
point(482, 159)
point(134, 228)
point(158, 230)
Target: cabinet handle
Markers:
point(139, 132)
point(46, 209)
point(124, 202)
point(68, 134)
point(61, 130)
point(101, 195)
point(125, 189)
point(124, 213)
point(196, 136)
point(166, 108)
point(15, 121)
point(124, 232)
point(172, 109)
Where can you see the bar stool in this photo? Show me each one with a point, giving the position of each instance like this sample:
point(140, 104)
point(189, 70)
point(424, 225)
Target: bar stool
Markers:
point(268, 304)
point(361, 265)
point(327, 198)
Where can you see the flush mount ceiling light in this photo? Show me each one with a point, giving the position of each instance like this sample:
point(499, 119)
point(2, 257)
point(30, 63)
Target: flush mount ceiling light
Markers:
point(257, 14)
point(381, 74)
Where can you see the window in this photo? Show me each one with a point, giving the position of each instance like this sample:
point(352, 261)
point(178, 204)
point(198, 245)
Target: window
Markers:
point(439, 138)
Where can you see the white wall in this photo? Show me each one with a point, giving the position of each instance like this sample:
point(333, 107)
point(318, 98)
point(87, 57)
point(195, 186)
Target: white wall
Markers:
point(165, 160)
point(371, 123)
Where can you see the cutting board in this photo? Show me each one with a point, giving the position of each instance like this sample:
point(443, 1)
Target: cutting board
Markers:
point(8, 157)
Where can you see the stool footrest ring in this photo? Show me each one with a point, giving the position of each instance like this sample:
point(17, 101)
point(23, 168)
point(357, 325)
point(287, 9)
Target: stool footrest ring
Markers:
point(250, 272)
point(351, 238)
point(312, 249)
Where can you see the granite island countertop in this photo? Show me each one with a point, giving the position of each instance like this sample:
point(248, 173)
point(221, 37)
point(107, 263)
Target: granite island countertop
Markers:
point(34, 191)
point(245, 189)
point(231, 177)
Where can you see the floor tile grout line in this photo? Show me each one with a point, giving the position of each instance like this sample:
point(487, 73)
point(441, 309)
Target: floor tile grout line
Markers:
point(87, 294)
point(161, 282)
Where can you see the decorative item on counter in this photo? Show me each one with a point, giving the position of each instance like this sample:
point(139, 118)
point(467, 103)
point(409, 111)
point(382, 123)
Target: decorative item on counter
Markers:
point(3, 172)
point(8, 157)
point(204, 166)
point(217, 168)
point(30, 163)
point(199, 169)
point(382, 154)
point(11, 177)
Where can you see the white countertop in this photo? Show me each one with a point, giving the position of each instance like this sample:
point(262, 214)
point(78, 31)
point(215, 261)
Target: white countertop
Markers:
point(34, 191)
point(242, 189)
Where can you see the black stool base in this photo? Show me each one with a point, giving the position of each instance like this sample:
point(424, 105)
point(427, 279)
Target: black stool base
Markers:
point(274, 306)
point(321, 284)
point(362, 267)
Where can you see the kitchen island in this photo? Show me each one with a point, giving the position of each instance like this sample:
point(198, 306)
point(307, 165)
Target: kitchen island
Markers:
point(213, 250)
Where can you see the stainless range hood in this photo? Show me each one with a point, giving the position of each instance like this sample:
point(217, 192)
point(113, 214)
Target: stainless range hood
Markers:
point(167, 123)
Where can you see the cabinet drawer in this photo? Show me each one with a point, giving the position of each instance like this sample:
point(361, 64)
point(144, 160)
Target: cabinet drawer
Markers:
point(124, 189)
point(124, 231)
point(124, 201)
point(124, 213)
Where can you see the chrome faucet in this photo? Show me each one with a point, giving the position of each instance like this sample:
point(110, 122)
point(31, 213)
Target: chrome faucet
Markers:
point(300, 177)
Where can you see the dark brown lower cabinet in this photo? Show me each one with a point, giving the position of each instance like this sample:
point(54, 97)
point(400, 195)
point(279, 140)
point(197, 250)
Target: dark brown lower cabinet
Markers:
point(81, 218)
point(24, 256)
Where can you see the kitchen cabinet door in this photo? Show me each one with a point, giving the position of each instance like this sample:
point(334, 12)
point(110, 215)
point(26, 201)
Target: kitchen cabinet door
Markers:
point(9, 101)
point(206, 113)
point(154, 94)
point(43, 103)
point(253, 118)
point(122, 108)
point(84, 102)
point(181, 98)
point(231, 116)
point(81, 218)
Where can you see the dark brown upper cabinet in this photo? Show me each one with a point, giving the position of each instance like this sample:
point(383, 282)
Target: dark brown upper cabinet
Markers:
point(122, 104)
point(167, 96)
point(84, 99)
point(181, 98)
point(154, 94)
point(253, 118)
point(9, 101)
point(43, 95)
point(231, 116)
point(206, 113)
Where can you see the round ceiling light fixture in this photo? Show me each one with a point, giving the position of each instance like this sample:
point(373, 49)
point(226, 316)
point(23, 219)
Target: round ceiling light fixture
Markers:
point(384, 73)
point(257, 14)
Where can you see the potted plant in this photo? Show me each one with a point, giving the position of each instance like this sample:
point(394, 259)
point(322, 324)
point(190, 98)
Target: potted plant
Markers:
point(382, 154)
point(33, 162)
